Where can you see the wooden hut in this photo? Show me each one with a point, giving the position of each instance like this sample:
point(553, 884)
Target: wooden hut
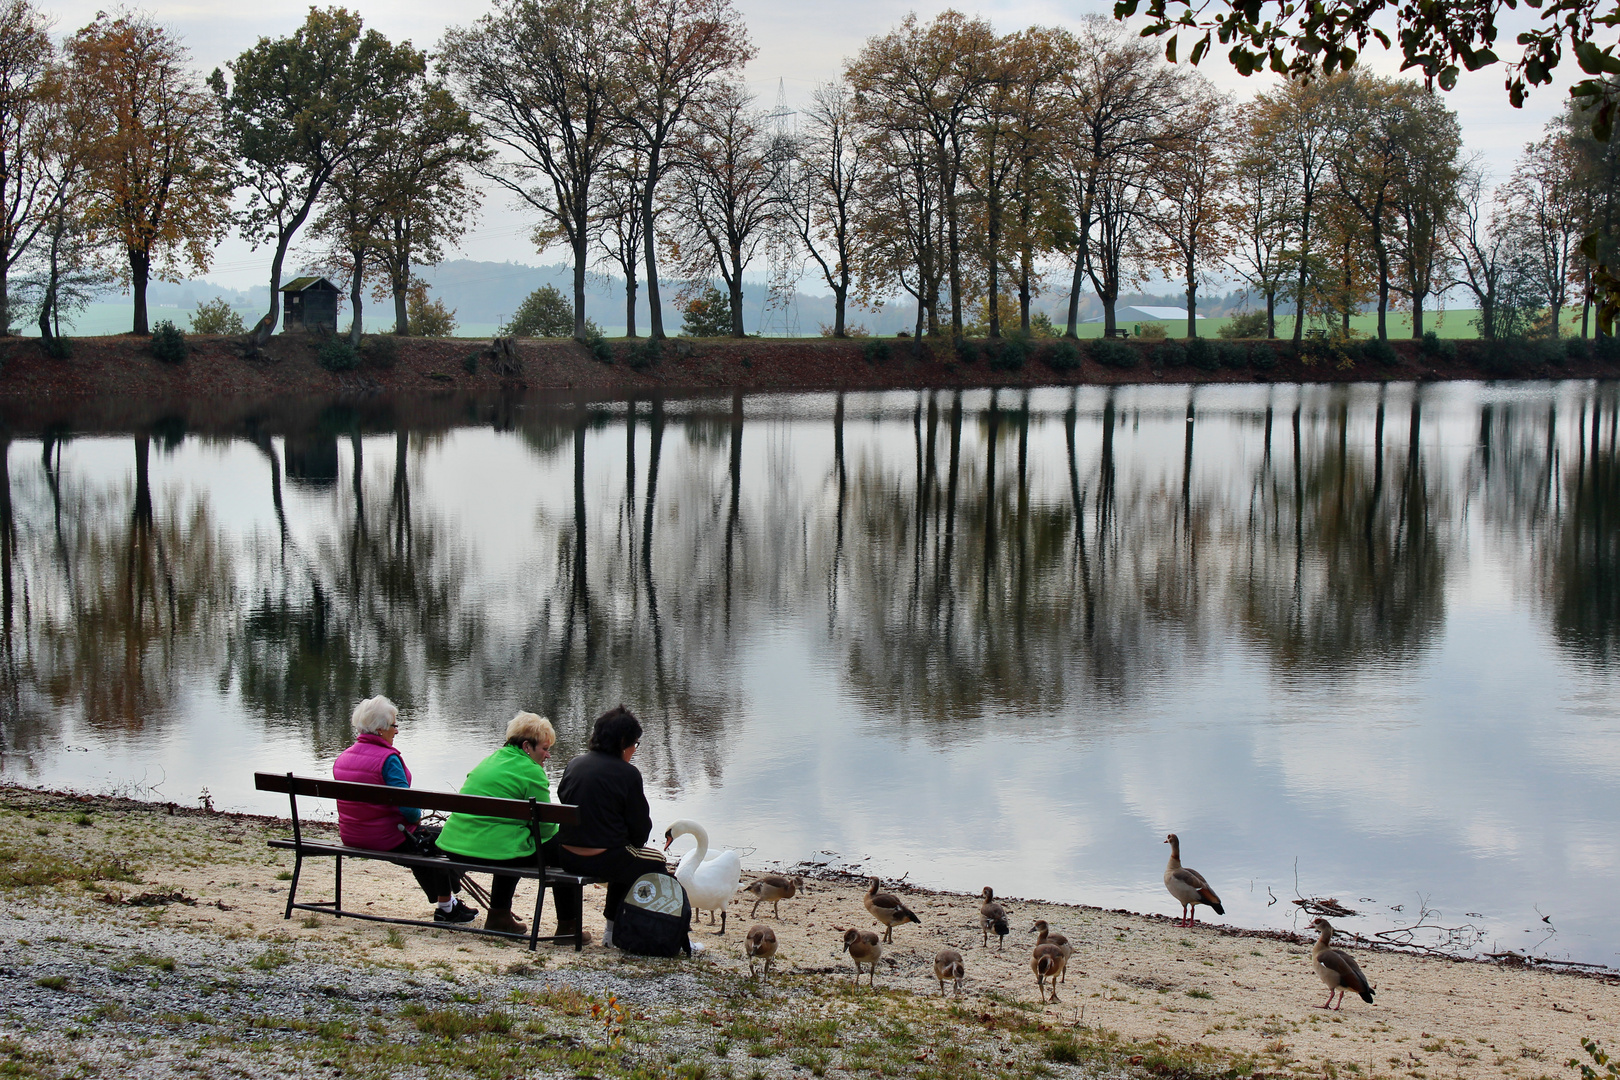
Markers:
point(309, 306)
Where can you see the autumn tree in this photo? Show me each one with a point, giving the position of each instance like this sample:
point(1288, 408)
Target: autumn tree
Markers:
point(30, 86)
point(1192, 212)
point(1263, 200)
point(1370, 124)
point(821, 183)
point(1479, 247)
point(157, 172)
point(898, 220)
point(1426, 198)
point(540, 77)
point(1037, 226)
point(1124, 109)
point(727, 193)
point(932, 79)
point(1543, 218)
point(403, 197)
point(669, 52)
point(294, 110)
point(1296, 123)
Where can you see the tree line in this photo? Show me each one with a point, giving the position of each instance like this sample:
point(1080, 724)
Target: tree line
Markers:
point(963, 170)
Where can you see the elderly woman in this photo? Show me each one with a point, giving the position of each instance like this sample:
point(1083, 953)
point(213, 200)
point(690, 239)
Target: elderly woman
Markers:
point(373, 760)
point(515, 771)
point(614, 819)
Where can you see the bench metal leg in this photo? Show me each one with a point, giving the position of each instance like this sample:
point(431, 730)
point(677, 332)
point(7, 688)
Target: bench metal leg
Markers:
point(292, 886)
point(539, 906)
point(337, 889)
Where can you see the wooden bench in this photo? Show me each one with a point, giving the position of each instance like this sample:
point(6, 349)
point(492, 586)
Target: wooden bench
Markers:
point(1120, 332)
point(529, 811)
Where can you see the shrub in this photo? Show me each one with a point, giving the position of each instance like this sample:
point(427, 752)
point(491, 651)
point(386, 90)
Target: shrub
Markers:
point(1231, 355)
point(1263, 357)
point(1606, 348)
point(875, 350)
point(336, 354)
point(597, 344)
point(1011, 356)
point(1113, 353)
point(1435, 347)
point(168, 343)
point(1152, 331)
point(543, 313)
point(1380, 351)
point(1249, 324)
point(427, 318)
point(1064, 356)
point(645, 354)
point(216, 317)
point(1201, 354)
point(380, 351)
point(1040, 325)
point(469, 363)
point(966, 351)
point(1576, 348)
point(1169, 355)
point(707, 316)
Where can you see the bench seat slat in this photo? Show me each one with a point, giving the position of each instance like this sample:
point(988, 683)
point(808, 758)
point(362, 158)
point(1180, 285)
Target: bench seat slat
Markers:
point(384, 795)
point(431, 862)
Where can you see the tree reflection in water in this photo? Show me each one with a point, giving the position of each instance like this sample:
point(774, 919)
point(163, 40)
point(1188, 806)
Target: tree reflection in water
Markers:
point(958, 555)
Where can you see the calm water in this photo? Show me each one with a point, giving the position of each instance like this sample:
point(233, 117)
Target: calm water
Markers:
point(1355, 642)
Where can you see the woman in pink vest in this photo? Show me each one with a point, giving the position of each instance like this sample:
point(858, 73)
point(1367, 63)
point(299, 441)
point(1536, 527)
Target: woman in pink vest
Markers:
point(373, 760)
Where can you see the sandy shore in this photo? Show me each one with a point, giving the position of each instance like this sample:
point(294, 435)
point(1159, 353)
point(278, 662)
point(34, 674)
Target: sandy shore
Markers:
point(1140, 991)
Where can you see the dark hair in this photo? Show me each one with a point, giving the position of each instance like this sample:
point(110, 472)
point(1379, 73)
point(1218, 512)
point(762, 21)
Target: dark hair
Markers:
point(615, 730)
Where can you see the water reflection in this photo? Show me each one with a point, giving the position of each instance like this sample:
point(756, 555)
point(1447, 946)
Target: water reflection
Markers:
point(1097, 601)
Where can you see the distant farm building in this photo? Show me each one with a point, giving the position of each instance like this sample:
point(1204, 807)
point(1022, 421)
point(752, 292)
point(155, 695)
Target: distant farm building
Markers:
point(1148, 314)
point(309, 306)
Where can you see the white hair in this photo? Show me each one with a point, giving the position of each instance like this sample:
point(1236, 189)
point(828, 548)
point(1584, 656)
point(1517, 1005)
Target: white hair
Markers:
point(373, 715)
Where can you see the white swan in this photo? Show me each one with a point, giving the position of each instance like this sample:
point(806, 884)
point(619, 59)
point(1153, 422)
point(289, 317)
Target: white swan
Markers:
point(709, 878)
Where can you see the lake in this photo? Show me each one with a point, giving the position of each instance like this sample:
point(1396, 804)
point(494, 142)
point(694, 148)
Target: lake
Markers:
point(1350, 642)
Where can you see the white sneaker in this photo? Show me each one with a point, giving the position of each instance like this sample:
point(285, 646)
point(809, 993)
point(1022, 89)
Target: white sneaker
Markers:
point(607, 934)
point(697, 947)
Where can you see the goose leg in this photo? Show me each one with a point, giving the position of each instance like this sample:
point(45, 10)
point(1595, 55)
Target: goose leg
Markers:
point(755, 912)
point(776, 909)
point(722, 929)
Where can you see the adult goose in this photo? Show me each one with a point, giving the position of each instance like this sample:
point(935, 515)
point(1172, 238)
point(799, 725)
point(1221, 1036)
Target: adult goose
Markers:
point(948, 964)
point(775, 888)
point(709, 878)
point(992, 916)
point(1188, 886)
point(1047, 962)
point(1049, 938)
point(760, 944)
point(1338, 970)
point(863, 947)
point(887, 909)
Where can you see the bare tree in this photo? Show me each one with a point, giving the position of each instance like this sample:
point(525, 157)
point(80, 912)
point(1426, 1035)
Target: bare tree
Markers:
point(1124, 107)
point(540, 76)
point(1193, 209)
point(820, 185)
point(1263, 202)
point(1479, 247)
point(29, 84)
point(669, 53)
point(931, 79)
point(727, 194)
point(1296, 122)
point(1426, 198)
point(621, 221)
point(1543, 218)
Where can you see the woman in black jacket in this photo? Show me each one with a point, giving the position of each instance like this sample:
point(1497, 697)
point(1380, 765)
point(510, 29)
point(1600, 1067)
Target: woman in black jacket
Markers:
point(614, 820)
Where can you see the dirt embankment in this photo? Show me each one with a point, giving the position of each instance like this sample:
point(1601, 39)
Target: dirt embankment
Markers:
point(123, 368)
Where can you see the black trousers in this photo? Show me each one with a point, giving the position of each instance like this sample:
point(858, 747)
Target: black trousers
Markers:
point(435, 883)
point(618, 866)
point(502, 887)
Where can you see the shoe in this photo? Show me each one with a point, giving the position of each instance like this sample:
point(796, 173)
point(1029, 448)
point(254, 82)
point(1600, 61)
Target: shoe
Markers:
point(565, 934)
point(505, 922)
point(607, 935)
point(458, 913)
point(697, 947)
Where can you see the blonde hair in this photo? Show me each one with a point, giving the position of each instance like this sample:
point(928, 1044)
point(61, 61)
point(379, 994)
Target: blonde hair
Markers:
point(373, 715)
point(531, 727)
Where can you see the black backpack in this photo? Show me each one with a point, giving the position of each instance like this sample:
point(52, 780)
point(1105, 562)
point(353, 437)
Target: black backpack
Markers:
point(654, 917)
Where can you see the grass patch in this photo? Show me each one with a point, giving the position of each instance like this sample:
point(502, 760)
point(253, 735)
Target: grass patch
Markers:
point(1202, 994)
point(455, 1024)
point(32, 868)
point(270, 960)
point(52, 982)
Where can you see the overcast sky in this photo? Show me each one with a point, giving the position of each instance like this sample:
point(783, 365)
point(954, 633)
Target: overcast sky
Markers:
point(800, 45)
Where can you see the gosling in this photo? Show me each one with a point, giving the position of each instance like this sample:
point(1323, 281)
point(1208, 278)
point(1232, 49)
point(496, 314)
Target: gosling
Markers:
point(1049, 938)
point(1047, 962)
point(887, 909)
point(760, 944)
point(863, 947)
point(948, 964)
point(992, 916)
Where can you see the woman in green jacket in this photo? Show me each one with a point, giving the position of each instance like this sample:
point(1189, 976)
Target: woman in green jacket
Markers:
point(515, 771)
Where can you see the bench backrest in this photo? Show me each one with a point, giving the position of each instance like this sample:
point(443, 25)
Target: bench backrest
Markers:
point(446, 801)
